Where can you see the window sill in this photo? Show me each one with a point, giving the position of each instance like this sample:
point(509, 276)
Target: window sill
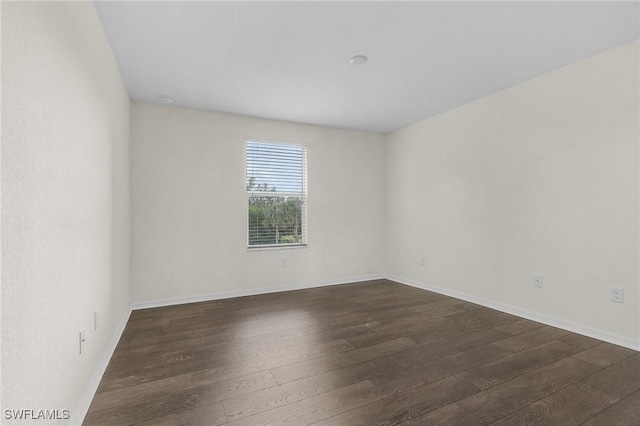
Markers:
point(277, 247)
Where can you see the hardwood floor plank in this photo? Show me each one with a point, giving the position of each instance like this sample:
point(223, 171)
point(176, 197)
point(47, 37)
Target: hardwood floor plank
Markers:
point(203, 415)
point(405, 406)
point(128, 342)
point(405, 317)
point(531, 339)
point(213, 320)
point(189, 341)
point(310, 334)
point(401, 308)
point(175, 402)
point(132, 362)
point(449, 415)
point(604, 354)
point(519, 326)
point(395, 293)
point(285, 351)
point(134, 327)
point(386, 334)
point(242, 368)
point(582, 342)
point(140, 393)
point(318, 313)
point(245, 327)
point(468, 306)
point(253, 306)
point(289, 373)
point(153, 373)
point(289, 392)
point(290, 346)
point(623, 412)
point(496, 372)
point(453, 329)
point(264, 349)
point(569, 406)
point(144, 344)
point(383, 288)
point(380, 319)
point(426, 373)
point(619, 379)
point(243, 331)
point(506, 398)
point(317, 408)
point(473, 314)
point(445, 303)
point(431, 351)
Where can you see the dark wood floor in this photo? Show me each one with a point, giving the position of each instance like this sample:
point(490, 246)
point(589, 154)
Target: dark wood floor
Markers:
point(365, 353)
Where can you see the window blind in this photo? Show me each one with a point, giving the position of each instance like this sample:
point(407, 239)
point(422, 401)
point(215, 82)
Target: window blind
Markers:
point(276, 194)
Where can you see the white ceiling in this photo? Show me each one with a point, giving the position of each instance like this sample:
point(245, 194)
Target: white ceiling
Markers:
point(290, 60)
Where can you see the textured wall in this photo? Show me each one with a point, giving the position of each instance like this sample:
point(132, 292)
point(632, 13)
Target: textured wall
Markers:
point(65, 201)
point(539, 178)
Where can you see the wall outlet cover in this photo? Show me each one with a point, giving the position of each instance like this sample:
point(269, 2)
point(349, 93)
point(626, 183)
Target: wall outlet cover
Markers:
point(536, 281)
point(81, 340)
point(616, 294)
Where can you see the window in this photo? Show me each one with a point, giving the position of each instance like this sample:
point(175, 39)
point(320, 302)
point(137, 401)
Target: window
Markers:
point(276, 195)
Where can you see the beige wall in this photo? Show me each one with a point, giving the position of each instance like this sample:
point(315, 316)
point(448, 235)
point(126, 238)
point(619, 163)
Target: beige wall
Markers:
point(189, 227)
point(539, 178)
point(65, 202)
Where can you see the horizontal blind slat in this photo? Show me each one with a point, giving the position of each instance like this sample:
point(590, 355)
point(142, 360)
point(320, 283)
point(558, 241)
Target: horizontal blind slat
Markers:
point(276, 197)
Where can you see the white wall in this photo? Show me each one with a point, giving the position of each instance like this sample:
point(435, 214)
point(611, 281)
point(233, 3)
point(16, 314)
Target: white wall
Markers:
point(539, 178)
point(189, 205)
point(65, 201)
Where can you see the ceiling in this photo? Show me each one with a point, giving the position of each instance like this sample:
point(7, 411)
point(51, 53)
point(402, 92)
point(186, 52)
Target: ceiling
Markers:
point(290, 60)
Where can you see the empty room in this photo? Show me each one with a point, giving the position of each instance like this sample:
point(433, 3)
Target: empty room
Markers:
point(328, 213)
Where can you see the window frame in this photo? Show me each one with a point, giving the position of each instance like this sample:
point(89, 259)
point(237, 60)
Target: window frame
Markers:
point(303, 195)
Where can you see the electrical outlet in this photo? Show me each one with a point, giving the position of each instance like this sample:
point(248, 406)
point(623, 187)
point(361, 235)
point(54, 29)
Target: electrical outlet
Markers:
point(423, 261)
point(81, 341)
point(616, 294)
point(284, 263)
point(95, 320)
point(536, 281)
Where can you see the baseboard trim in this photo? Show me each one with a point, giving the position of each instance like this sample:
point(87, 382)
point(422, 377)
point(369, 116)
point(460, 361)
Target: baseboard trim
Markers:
point(78, 415)
point(523, 313)
point(251, 292)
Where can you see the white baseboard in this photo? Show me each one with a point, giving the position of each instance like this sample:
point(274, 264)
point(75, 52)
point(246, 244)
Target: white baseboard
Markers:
point(250, 292)
point(78, 415)
point(523, 313)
